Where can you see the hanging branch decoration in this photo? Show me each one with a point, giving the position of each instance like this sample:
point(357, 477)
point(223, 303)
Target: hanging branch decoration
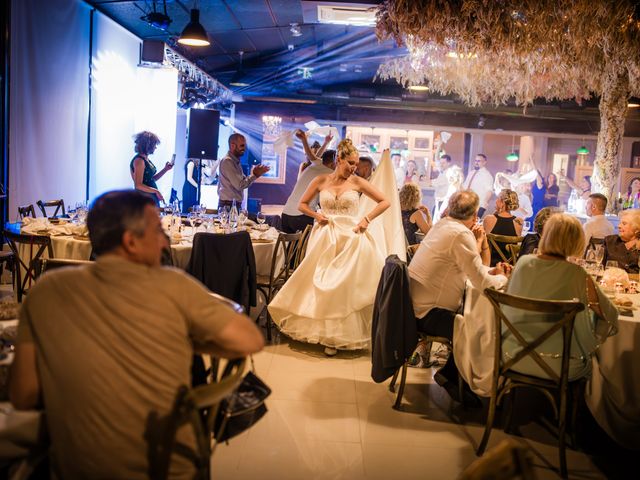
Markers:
point(497, 51)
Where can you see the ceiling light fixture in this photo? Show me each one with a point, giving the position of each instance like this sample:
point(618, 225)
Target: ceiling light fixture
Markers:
point(512, 156)
point(418, 88)
point(295, 30)
point(194, 33)
point(156, 19)
point(582, 150)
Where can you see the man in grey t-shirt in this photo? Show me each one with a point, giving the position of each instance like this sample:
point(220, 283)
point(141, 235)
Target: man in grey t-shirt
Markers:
point(294, 220)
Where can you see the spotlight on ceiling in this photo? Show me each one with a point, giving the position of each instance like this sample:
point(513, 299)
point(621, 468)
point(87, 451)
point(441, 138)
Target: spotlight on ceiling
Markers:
point(194, 33)
point(156, 19)
point(295, 30)
point(481, 121)
point(418, 88)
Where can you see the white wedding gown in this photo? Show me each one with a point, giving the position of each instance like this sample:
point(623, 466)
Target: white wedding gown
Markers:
point(329, 298)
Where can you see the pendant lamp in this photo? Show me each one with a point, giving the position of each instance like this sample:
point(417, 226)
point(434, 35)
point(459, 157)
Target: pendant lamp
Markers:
point(194, 33)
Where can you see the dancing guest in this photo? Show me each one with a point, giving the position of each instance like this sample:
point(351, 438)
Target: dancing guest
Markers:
point(231, 180)
point(449, 181)
point(480, 181)
point(624, 247)
point(365, 168)
point(415, 216)
point(538, 191)
point(293, 220)
point(396, 158)
point(549, 276)
point(313, 153)
point(583, 189)
point(597, 226)
point(448, 257)
point(531, 240)
point(503, 222)
point(143, 172)
point(525, 209)
point(329, 298)
point(551, 195)
point(411, 174)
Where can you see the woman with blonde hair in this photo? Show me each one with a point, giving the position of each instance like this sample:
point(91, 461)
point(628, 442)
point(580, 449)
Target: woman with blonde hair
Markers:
point(549, 276)
point(502, 222)
point(624, 248)
point(415, 216)
point(329, 298)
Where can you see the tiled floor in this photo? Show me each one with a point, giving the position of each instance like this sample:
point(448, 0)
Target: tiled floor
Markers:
point(328, 420)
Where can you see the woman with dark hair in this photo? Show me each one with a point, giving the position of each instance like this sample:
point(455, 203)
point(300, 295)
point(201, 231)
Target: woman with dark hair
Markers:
point(143, 172)
point(530, 242)
point(633, 193)
point(192, 172)
point(583, 189)
point(552, 191)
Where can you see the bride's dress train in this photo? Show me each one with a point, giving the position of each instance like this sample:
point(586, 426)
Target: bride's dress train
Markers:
point(329, 298)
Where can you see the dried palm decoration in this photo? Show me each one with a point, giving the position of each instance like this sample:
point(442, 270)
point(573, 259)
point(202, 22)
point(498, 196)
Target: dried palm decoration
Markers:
point(495, 51)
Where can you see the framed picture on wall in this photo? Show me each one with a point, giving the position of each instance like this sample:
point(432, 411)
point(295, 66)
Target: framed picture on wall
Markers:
point(398, 143)
point(422, 143)
point(276, 160)
point(370, 143)
point(627, 176)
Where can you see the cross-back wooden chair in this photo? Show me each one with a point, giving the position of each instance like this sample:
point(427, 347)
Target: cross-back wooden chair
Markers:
point(504, 379)
point(593, 244)
point(35, 246)
point(302, 247)
point(507, 241)
point(43, 265)
point(27, 211)
point(196, 407)
point(58, 204)
point(282, 266)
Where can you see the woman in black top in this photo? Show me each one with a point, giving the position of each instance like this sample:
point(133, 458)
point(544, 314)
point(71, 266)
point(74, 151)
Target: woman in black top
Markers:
point(143, 172)
point(502, 222)
point(530, 241)
point(624, 247)
point(414, 215)
point(551, 195)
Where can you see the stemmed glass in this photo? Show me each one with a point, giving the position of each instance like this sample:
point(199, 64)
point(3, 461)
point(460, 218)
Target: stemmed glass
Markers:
point(261, 218)
point(192, 216)
point(526, 225)
point(599, 254)
point(242, 217)
point(224, 217)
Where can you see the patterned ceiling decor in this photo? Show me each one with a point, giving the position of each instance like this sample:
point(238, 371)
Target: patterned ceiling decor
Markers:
point(493, 51)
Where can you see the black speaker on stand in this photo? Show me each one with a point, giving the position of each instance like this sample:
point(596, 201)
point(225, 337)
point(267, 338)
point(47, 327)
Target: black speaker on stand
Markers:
point(202, 138)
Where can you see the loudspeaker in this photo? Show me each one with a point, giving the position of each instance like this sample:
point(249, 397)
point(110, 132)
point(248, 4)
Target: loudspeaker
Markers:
point(152, 51)
point(202, 140)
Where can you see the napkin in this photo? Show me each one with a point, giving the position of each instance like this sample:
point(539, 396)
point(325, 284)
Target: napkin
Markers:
point(271, 234)
point(40, 225)
point(615, 275)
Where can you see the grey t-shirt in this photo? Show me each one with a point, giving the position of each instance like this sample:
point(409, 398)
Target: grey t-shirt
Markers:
point(114, 341)
point(306, 177)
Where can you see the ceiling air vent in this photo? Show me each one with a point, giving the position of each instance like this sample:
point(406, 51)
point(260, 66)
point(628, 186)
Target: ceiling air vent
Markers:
point(347, 15)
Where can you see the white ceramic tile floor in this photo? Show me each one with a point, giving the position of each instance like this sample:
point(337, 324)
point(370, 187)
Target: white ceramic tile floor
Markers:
point(328, 420)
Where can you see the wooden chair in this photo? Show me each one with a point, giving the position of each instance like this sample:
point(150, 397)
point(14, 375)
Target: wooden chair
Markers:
point(429, 339)
point(37, 246)
point(506, 240)
point(592, 245)
point(27, 211)
point(43, 265)
point(302, 247)
point(411, 251)
point(555, 387)
point(58, 204)
point(197, 408)
point(283, 261)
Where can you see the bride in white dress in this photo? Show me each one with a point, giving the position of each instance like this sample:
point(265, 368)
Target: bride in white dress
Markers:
point(329, 298)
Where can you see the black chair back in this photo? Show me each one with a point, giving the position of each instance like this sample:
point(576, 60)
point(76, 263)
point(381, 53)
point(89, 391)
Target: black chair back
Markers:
point(58, 204)
point(27, 211)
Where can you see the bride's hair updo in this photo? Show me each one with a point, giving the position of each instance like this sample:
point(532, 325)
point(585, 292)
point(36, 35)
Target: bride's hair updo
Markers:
point(346, 149)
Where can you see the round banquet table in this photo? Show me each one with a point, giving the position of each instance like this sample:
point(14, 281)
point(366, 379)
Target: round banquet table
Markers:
point(613, 394)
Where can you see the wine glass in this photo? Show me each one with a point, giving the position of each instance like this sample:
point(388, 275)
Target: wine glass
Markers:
point(192, 216)
point(599, 253)
point(261, 218)
point(242, 217)
point(612, 264)
point(223, 214)
point(526, 225)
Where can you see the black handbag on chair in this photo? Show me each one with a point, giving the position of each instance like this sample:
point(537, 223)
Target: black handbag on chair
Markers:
point(242, 408)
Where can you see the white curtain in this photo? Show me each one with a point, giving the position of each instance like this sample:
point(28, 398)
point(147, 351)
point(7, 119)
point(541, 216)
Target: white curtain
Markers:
point(48, 101)
point(127, 99)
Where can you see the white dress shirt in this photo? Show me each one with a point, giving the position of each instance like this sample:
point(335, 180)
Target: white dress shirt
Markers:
point(525, 210)
point(312, 171)
point(481, 182)
point(597, 226)
point(447, 257)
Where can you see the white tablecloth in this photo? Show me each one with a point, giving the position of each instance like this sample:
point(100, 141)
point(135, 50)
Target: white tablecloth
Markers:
point(613, 395)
